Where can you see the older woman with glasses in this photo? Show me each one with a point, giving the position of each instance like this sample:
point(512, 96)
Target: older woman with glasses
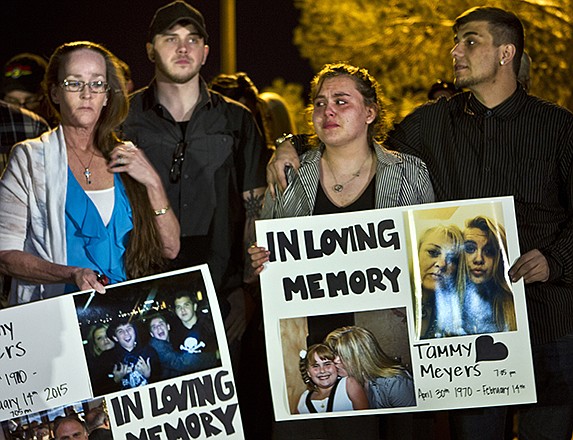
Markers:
point(80, 208)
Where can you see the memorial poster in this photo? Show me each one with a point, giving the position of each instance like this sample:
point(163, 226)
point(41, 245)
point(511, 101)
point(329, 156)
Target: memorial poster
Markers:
point(413, 304)
point(152, 352)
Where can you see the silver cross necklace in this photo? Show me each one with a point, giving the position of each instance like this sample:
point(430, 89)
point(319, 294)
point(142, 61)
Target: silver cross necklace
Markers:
point(87, 173)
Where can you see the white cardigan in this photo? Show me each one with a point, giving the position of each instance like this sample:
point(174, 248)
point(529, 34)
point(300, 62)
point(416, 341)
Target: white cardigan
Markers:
point(32, 214)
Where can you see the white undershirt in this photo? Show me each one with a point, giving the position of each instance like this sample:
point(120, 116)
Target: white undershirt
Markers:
point(103, 199)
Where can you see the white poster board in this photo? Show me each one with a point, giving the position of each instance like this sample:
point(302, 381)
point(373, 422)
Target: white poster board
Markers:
point(365, 269)
point(40, 350)
point(185, 391)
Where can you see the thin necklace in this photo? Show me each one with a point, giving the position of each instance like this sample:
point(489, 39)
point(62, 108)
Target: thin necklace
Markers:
point(87, 172)
point(339, 187)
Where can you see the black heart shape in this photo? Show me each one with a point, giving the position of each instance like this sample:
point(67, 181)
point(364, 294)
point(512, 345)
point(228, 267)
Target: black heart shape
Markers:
point(487, 350)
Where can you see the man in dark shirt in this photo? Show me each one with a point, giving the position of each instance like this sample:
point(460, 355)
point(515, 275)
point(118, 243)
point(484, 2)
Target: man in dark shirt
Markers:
point(194, 332)
point(176, 360)
point(98, 425)
point(208, 152)
point(496, 140)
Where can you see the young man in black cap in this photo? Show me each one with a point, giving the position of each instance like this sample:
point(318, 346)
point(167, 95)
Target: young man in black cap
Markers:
point(208, 151)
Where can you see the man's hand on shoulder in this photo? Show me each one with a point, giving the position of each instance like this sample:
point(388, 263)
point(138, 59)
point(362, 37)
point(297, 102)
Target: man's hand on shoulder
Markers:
point(285, 155)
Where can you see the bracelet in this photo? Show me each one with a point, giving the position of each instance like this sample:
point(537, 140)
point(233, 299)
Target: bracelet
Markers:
point(162, 211)
point(285, 137)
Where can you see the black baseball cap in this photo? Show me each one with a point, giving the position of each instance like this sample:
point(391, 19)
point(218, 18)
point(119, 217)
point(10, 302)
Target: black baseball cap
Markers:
point(24, 71)
point(169, 15)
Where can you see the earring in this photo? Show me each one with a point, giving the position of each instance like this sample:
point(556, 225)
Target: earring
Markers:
point(501, 62)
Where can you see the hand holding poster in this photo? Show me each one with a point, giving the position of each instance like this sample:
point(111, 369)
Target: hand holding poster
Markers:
point(412, 304)
point(154, 348)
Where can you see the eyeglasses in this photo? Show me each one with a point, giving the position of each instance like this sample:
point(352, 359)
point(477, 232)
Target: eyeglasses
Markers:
point(178, 158)
point(78, 86)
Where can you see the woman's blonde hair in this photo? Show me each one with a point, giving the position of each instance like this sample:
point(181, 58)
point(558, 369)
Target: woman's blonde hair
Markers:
point(92, 346)
point(455, 236)
point(361, 354)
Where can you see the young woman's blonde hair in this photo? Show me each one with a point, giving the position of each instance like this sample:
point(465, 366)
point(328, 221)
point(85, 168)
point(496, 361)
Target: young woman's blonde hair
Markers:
point(361, 354)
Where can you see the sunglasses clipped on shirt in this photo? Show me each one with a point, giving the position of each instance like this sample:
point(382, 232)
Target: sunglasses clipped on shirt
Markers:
point(177, 162)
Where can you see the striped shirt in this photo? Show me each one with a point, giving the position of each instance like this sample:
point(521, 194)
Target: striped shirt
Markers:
point(524, 148)
point(16, 125)
point(401, 180)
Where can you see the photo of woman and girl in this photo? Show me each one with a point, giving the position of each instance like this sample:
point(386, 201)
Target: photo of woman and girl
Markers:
point(462, 287)
point(350, 371)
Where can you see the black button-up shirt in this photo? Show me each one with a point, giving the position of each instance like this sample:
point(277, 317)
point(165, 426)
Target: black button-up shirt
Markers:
point(224, 157)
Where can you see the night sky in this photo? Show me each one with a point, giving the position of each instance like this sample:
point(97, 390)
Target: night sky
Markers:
point(264, 33)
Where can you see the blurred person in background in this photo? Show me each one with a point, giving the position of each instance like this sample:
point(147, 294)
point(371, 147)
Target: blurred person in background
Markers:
point(22, 85)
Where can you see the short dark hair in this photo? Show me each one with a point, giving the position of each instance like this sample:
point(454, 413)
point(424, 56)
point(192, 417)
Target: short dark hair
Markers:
point(96, 417)
point(505, 27)
point(153, 316)
point(442, 86)
point(187, 293)
point(73, 418)
point(116, 323)
point(236, 86)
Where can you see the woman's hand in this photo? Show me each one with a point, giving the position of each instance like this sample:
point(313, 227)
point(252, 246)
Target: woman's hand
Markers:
point(87, 279)
point(33, 269)
point(259, 256)
point(127, 158)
